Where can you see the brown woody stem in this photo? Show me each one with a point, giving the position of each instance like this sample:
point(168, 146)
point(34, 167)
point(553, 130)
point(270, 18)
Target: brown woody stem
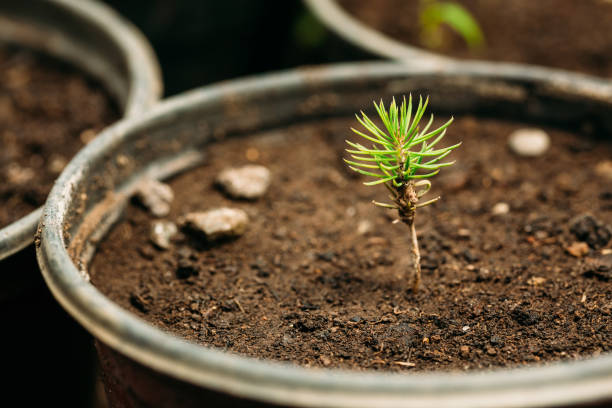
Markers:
point(406, 199)
point(416, 256)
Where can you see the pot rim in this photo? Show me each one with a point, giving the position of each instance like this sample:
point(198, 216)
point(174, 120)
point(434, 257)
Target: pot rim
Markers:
point(557, 383)
point(143, 77)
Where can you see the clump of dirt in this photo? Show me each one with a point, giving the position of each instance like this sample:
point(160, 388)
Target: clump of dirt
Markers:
point(320, 276)
point(566, 34)
point(48, 111)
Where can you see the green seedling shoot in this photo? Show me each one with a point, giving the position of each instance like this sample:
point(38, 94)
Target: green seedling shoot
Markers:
point(402, 157)
point(433, 14)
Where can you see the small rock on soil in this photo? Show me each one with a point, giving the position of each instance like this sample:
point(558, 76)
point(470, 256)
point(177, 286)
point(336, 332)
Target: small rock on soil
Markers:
point(590, 230)
point(600, 267)
point(247, 182)
point(162, 232)
point(217, 224)
point(155, 196)
point(529, 142)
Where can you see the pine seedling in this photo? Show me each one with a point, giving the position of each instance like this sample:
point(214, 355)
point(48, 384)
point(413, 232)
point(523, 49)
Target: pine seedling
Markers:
point(402, 158)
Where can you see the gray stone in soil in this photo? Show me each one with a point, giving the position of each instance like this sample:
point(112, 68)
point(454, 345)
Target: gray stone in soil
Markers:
point(155, 196)
point(247, 182)
point(162, 232)
point(599, 267)
point(590, 230)
point(217, 224)
point(529, 142)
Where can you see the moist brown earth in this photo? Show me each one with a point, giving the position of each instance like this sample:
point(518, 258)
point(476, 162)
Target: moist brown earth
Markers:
point(322, 276)
point(567, 34)
point(48, 111)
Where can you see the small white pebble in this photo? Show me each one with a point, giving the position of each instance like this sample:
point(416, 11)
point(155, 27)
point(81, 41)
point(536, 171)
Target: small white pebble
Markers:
point(155, 196)
point(364, 227)
point(464, 232)
point(247, 182)
point(529, 142)
point(162, 232)
point(465, 328)
point(536, 280)
point(218, 223)
point(500, 208)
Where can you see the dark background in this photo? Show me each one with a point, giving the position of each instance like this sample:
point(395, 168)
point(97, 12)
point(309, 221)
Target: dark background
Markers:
point(203, 41)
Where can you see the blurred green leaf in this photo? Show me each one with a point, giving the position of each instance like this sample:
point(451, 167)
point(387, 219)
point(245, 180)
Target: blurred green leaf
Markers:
point(308, 31)
point(457, 17)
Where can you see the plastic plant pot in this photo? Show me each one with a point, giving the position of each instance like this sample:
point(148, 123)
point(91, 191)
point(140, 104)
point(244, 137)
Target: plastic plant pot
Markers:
point(43, 348)
point(94, 38)
point(145, 366)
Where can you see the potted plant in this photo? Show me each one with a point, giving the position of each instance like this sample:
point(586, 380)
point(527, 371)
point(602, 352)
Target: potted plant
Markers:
point(393, 163)
point(69, 68)
point(317, 277)
point(432, 31)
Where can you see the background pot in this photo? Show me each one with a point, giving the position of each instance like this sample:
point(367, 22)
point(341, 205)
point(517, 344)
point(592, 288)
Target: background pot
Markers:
point(145, 366)
point(93, 38)
point(41, 345)
point(503, 45)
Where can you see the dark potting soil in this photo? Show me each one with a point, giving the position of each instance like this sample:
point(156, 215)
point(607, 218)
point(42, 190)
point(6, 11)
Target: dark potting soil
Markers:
point(567, 34)
point(320, 278)
point(48, 111)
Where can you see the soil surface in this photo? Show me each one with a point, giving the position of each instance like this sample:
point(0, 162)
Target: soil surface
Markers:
point(567, 34)
point(321, 277)
point(48, 111)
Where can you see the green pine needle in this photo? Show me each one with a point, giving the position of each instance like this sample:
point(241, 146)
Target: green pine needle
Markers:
point(390, 152)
